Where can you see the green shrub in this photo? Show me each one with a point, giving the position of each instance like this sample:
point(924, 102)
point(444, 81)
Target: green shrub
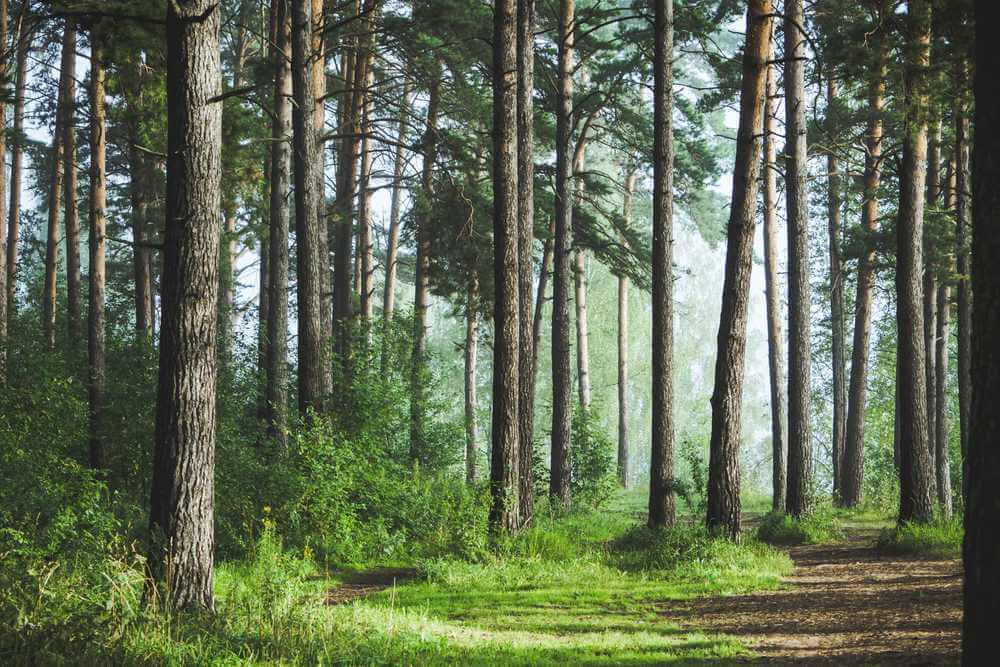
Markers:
point(780, 528)
point(941, 538)
point(593, 457)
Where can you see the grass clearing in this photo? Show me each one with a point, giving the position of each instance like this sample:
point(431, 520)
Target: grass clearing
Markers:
point(940, 538)
point(821, 525)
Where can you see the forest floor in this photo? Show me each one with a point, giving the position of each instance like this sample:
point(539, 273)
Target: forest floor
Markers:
point(845, 604)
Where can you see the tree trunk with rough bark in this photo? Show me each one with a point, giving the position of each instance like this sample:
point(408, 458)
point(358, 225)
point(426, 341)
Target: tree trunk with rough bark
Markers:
point(4, 69)
point(311, 250)
point(366, 251)
point(24, 36)
point(963, 263)
point(835, 230)
point(139, 197)
point(982, 513)
point(526, 240)
point(916, 477)
point(181, 516)
point(798, 496)
point(623, 369)
point(931, 290)
point(49, 291)
point(724, 464)
point(504, 508)
point(562, 409)
point(471, 357)
point(661, 467)
point(396, 206)
point(71, 214)
point(772, 287)
point(852, 469)
point(276, 384)
point(98, 225)
point(941, 456)
point(421, 286)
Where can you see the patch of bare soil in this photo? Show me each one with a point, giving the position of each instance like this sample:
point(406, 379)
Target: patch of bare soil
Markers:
point(362, 584)
point(846, 605)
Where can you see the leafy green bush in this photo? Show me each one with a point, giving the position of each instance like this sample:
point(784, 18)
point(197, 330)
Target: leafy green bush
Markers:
point(941, 538)
point(780, 528)
point(593, 460)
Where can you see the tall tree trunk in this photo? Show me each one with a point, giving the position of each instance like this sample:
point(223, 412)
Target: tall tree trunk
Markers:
point(506, 367)
point(366, 251)
point(526, 240)
point(276, 387)
point(318, 70)
point(396, 206)
point(71, 217)
point(661, 466)
point(724, 462)
point(798, 498)
point(471, 357)
point(623, 370)
point(421, 287)
point(181, 516)
point(23, 47)
point(963, 264)
point(139, 195)
point(562, 410)
point(982, 514)
point(852, 468)
point(916, 481)
point(98, 224)
point(310, 264)
point(837, 335)
point(931, 290)
point(49, 291)
point(582, 329)
point(4, 70)
point(775, 340)
point(941, 457)
point(543, 281)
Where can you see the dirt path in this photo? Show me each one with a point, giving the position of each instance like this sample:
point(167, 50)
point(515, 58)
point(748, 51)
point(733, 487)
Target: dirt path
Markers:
point(846, 605)
point(362, 584)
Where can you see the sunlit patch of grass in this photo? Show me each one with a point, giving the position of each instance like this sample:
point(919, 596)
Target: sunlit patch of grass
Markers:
point(941, 538)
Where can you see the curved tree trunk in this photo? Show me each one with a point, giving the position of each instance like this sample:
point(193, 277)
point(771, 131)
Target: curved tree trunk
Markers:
point(852, 468)
point(98, 224)
point(526, 241)
point(798, 498)
point(276, 386)
point(181, 516)
point(562, 409)
point(916, 480)
point(724, 462)
point(661, 466)
point(772, 286)
point(506, 270)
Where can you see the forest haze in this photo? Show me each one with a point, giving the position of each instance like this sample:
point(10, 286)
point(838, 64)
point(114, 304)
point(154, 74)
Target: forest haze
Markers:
point(443, 331)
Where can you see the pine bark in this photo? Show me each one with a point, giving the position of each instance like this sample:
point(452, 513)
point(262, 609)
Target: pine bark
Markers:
point(942, 463)
point(798, 498)
point(661, 466)
point(724, 463)
point(49, 290)
point(421, 286)
point(930, 291)
point(97, 270)
point(396, 205)
point(582, 326)
point(139, 196)
point(23, 47)
point(366, 250)
point(916, 480)
point(562, 410)
point(623, 367)
point(71, 214)
point(504, 508)
point(982, 513)
point(837, 334)
point(181, 517)
point(276, 384)
point(963, 263)
point(772, 286)
point(4, 70)
point(852, 469)
point(311, 249)
point(471, 357)
point(526, 239)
